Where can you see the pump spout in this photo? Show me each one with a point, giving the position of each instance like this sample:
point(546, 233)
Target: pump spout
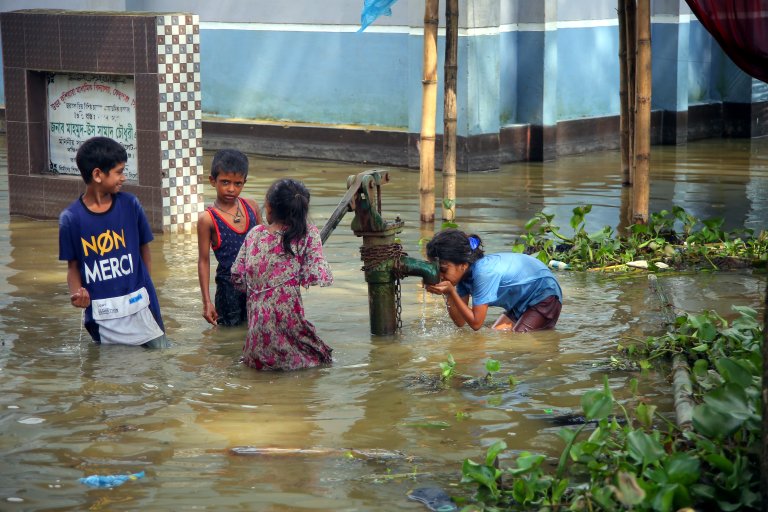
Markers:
point(429, 271)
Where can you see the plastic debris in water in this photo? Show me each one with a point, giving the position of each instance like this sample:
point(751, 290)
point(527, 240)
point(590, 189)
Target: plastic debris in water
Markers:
point(109, 480)
point(434, 498)
point(559, 265)
point(31, 421)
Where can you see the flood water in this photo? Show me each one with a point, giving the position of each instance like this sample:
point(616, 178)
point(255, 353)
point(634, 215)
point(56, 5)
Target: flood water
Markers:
point(69, 409)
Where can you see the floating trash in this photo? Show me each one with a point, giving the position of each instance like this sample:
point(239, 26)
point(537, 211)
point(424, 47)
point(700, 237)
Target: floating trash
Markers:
point(31, 421)
point(109, 480)
point(434, 498)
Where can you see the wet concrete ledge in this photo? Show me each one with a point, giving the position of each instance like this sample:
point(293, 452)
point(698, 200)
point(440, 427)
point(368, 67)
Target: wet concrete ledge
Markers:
point(513, 143)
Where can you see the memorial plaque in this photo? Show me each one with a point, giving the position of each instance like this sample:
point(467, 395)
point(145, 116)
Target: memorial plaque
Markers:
point(81, 106)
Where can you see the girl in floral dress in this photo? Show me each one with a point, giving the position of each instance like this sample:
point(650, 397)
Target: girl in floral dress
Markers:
point(274, 261)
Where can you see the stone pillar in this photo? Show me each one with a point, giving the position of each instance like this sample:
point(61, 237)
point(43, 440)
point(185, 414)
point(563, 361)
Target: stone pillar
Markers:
point(180, 118)
point(744, 101)
point(479, 87)
point(537, 92)
point(670, 36)
point(758, 127)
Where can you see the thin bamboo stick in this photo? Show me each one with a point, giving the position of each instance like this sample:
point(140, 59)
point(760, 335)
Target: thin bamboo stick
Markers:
point(449, 109)
point(630, 13)
point(641, 182)
point(625, 210)
point(428, 113)
point(623, 99)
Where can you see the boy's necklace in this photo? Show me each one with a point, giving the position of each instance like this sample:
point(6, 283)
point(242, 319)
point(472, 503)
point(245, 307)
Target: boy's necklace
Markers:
point(236, 217)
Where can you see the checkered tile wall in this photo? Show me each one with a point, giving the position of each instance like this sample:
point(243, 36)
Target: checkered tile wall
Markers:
point(178, 68)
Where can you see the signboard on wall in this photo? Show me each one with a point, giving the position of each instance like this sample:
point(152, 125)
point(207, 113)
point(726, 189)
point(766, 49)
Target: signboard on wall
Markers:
point(81, 106)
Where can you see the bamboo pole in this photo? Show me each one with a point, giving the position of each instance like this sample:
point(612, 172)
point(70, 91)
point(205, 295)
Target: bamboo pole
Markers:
point(623, 99)
point(428, 114)
point(641, 182)
point(630, 13)
point(625, 210)
point(682, 388)
point(449, 109)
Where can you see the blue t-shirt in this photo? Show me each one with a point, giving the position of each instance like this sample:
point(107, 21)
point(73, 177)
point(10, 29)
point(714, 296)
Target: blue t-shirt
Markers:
point(513, 281)
point(107, 248)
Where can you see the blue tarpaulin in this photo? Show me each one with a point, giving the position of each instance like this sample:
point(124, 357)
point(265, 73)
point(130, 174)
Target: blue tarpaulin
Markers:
point(372, 9)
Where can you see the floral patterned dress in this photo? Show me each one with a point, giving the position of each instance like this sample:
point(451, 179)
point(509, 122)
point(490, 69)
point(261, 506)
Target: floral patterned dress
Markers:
point(279, 337)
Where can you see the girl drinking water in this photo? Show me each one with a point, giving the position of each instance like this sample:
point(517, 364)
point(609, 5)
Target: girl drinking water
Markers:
point(521, 284)
point(273, 262)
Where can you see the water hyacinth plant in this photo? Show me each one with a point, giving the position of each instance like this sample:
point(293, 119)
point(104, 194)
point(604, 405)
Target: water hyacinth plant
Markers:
point(674, 238)
point(647, 462)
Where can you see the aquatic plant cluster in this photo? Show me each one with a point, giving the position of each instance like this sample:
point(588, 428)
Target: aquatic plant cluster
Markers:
point(674, 238)
point(639, 459)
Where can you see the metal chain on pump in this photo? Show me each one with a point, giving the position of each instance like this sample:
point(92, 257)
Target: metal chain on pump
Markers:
point(398, 305)
point(377, 254)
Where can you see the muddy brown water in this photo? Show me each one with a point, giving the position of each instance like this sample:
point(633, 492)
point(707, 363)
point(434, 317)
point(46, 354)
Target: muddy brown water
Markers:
point(359, 434)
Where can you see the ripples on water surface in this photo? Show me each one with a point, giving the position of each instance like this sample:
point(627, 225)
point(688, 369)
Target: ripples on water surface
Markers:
point(69, 409)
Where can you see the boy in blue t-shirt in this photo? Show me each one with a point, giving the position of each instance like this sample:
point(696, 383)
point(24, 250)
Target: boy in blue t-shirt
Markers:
point(104, 238)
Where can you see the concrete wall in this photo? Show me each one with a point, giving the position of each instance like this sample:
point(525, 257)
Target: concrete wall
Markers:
point(536, 63)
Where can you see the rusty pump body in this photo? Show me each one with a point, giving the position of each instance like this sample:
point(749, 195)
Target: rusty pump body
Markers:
point(384, 261)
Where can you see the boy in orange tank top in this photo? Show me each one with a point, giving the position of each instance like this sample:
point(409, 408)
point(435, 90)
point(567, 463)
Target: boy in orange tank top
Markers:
point(222, 227)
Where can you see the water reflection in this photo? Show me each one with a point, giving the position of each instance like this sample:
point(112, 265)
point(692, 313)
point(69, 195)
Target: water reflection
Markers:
point(69, 409)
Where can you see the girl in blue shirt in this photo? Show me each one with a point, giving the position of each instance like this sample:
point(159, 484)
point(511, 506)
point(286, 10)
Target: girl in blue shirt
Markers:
point(521, 284)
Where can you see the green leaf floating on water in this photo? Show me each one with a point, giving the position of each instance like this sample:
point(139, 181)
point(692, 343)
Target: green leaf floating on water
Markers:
point(492, 366)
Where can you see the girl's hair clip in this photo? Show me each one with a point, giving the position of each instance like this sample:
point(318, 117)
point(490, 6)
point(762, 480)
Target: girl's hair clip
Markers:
point(474, 243)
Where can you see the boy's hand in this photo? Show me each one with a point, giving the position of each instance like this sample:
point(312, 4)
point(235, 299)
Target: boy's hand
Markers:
point(81, 298)
point(209, 313)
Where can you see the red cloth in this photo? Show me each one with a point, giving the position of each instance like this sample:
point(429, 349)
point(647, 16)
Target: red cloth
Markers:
point(741, 29)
